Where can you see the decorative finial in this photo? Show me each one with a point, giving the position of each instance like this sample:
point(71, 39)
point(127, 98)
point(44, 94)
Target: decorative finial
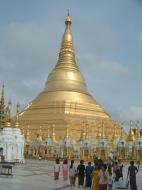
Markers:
point(68, 19)
point(68, 12)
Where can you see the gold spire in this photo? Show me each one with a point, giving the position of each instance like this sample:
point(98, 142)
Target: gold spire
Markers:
point(131, 136)
point(138, 133)
point(27, 135)
point(114, 137)
point(83, 132)
point(87, 131)
point(48, 132)
point(137, 130)
point(53, 134)
point(67, 135)
point(66, 75)
point(99, 134)
point(8, 114)
point(39, 133)
point(103, 136)
point(17, 116)
point(66, 55)
point(122, 134)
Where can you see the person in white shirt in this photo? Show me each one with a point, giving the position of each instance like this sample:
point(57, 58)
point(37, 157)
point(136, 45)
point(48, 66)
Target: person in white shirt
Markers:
point(72, 173)
point(56, 169)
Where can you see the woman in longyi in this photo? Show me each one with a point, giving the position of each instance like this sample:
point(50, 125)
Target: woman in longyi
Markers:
point(95, 178)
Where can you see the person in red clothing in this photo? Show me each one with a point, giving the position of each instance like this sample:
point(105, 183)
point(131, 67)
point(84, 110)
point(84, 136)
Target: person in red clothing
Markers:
point(65, 170)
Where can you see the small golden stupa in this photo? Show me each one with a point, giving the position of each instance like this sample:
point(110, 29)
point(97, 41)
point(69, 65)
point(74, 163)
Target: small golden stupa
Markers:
point(65, 101)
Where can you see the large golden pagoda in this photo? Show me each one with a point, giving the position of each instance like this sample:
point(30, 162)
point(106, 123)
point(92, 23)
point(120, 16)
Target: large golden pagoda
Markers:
point(66, 102)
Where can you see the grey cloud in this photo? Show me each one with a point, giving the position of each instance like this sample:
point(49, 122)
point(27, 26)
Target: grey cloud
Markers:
point(25, 59)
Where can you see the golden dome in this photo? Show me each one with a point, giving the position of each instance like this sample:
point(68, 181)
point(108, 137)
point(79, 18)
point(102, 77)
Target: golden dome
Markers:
point(65, 94)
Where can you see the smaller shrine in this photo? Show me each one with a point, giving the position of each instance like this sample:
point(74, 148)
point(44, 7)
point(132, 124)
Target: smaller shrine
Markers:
point(11, 140)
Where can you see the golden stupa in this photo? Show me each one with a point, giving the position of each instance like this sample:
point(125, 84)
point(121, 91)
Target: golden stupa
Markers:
point(66, 102)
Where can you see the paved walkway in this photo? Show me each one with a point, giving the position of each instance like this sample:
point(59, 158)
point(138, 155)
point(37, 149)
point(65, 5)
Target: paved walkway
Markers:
point(38, 175)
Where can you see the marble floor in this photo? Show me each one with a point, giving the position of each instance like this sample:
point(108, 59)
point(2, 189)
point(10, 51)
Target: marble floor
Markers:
point(38, 175)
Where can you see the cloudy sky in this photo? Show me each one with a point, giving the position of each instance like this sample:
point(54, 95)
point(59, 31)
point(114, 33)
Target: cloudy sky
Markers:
point(108, 44)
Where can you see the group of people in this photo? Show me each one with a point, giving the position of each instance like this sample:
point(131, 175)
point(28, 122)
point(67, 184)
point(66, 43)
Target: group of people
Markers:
point(100, 176)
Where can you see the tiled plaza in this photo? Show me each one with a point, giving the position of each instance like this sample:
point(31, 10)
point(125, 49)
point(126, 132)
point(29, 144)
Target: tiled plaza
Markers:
point(38, 175)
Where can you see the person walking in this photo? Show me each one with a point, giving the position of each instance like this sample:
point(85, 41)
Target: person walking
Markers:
point(56, 169)
point(132, 171)
point(110, 181)
point(103, 178)
point(65, 170)
point(116, 171)
point(120, 165)
point(95, 178)
point(72, 174)
point(88, 172)
point(81, 173)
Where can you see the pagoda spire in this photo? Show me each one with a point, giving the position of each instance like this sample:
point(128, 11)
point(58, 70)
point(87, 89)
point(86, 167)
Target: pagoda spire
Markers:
point(83, 132)
point(27, 135)
point(137, 130)
point(103, 136)
point(48, 132)
point(87, 131)
point(122, 134)
point(67, 55)
point(53, 136)
point(131, 136)
point(114, 137)
point(67, 135)
point(39, 133)
point(98, 136)
point(8, 114)
point(2, 108)
point(17, 115)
